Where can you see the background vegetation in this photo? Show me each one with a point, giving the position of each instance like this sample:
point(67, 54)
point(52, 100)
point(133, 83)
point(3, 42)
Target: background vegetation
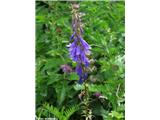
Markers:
point(57, 93)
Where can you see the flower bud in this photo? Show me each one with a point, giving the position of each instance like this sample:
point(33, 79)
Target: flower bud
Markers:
point(75, 6)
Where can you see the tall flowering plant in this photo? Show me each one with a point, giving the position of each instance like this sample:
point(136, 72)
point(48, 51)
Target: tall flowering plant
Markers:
point(79, 49)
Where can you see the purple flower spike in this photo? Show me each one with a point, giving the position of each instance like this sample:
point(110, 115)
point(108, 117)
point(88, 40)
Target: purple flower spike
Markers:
point(79, 49)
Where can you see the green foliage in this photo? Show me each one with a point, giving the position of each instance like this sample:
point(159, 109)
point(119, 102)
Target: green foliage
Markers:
point(73, 76)
point(104, 30)
point(63, 114)
point(116, 115)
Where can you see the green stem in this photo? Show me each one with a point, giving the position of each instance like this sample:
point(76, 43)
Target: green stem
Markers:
point(87, 113)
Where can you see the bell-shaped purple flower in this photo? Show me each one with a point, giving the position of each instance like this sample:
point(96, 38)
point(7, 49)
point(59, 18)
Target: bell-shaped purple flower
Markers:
point(79, 70)
point(78, 50)
point(85, 44)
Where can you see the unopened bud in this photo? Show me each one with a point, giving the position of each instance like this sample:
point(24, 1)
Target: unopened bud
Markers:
point(76, 6)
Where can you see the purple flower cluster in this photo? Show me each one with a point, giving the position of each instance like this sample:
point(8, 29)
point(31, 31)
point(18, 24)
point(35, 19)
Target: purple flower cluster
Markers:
point(79, 49)
point(66, 68)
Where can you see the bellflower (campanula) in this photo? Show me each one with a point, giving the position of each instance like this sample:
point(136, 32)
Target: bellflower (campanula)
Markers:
point(79, 49)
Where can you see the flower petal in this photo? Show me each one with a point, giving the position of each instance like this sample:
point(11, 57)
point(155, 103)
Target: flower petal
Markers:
point(72, 36)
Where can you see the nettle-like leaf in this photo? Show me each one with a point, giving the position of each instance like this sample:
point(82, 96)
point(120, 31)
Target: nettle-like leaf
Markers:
point(61, 91)
point(54, 78)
